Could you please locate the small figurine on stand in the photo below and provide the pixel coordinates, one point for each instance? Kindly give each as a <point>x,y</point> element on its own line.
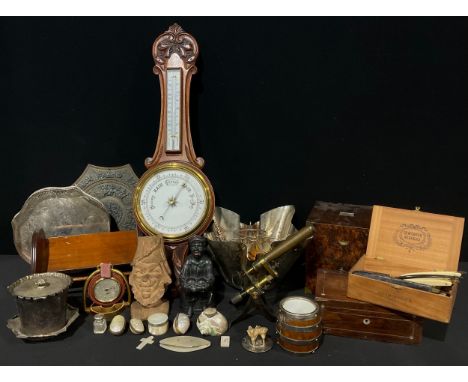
<point>257,340</point>
<point>197,278</point>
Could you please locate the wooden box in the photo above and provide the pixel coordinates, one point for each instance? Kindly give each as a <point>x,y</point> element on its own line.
<point>340,238</point>
<point>79,253</point>
<point>404,241</point>
<point>343,316</point>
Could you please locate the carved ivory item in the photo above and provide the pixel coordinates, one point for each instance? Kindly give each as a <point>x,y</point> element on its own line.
<point>257,340</point>
<point>149,278</point>
<point>145,341</point>
<point>254,333</point>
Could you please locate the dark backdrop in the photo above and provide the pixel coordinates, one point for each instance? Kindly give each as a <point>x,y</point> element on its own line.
<point>284,110</point>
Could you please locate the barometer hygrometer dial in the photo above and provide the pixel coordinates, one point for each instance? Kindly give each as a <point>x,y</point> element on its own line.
<point>105,288</point>
<point>174,200</point>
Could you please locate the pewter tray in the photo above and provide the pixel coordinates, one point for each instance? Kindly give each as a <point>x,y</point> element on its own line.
<point>59,211</point>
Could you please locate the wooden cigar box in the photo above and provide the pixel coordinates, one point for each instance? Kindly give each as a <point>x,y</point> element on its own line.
<point>406,241</point>
<point>346,317</point>
<point>340,238</point>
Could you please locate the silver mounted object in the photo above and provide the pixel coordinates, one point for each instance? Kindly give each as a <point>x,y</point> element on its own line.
<point>41,299</point>
<point>229,246</point>
<point>257,340</point>
<point>114,187</point>
<point>59,211</point>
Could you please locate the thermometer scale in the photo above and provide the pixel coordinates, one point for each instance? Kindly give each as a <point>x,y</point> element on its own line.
<point>173,90</point>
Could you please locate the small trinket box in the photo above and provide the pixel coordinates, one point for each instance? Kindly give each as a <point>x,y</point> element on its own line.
<point>137,326</point>
<point>117,325</point>
<point>158,323</point>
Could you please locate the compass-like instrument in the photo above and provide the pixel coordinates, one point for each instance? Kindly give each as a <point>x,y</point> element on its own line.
<point>174,198</point>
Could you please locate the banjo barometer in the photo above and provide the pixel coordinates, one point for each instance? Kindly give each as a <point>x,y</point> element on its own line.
<point>174,198</point>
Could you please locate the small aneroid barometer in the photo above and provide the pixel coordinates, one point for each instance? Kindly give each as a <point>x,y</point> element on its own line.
<point>174,198</point>
<point>107,290</point>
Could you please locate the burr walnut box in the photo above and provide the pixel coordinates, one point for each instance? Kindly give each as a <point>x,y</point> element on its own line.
<point>405,241</point>
<point>340,238</point>
<point>346,317</point>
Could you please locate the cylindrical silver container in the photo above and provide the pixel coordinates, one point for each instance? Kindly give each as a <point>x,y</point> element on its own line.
<point>41,299</point>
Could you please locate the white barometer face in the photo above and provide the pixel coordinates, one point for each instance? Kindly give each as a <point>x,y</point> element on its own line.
<point>172,200</point>
<point>106,290</point>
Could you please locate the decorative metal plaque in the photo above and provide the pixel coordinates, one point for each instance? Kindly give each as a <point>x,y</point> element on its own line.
<point>114,187</point>
<point>59,211</point>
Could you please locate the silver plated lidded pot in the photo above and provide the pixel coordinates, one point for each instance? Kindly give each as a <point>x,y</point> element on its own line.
<point>41,300</point>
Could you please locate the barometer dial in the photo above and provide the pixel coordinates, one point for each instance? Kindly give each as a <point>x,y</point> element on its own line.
<point>174,200</point>
<point>107,290</point>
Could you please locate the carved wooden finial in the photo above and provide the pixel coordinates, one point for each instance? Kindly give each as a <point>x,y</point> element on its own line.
<point>175,41</point>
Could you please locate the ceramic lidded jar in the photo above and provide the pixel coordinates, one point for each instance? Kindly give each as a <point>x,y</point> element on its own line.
<point>212,323</point>
<point>41,299</point>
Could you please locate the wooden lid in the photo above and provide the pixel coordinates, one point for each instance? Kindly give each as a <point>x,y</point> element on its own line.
<point>350,215</point>
<point>403,241</point>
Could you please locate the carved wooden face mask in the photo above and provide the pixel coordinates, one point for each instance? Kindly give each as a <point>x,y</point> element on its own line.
<point>151,273</point>
<point>149,282</point>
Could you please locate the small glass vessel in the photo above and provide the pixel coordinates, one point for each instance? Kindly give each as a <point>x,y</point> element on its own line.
<point>99,324</point>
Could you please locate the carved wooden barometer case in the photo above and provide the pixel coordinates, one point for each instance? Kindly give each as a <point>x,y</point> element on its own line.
<point>174,197</point>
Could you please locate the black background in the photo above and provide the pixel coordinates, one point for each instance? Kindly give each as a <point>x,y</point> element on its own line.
<point>284,110</point>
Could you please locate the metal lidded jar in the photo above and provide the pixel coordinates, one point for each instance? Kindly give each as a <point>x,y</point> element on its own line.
<point>41,299</point>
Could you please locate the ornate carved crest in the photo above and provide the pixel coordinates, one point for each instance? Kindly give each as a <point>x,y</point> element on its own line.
<point>175,40</point>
